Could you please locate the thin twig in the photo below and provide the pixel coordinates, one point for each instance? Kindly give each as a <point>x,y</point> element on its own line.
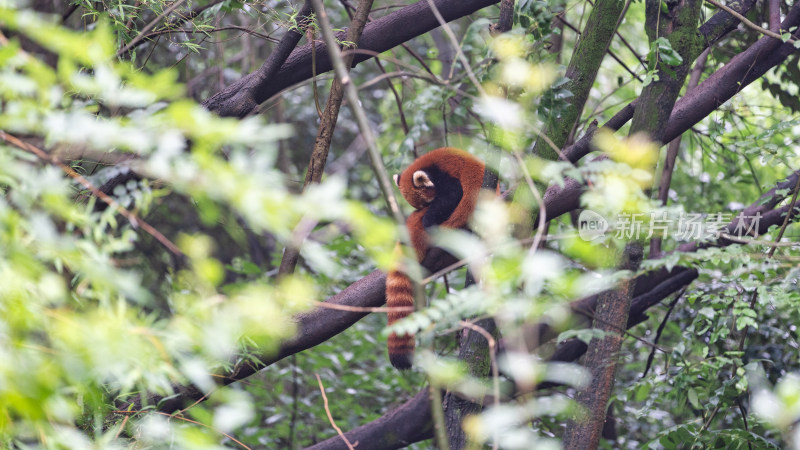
<point>621,330</point>
<point>121,427</point>
<point>750,24</point>
<point>134,220</point>
<point>149,27</point>
<point>773,245</point>
<point>660,330</point>
<point>395,61</point>
<point>69,12</point>
<point>463,262</point>
<point>185,419</point>
<point>363,124</point>
<point>397,99</point>
<point>214,30</point>
<point>771,252</point>
<point>400,74</point>
<point>365,309</point>
<point>330,417</point>
<point>459,53</point>
<point>314,89</point>
<point>539,201</point>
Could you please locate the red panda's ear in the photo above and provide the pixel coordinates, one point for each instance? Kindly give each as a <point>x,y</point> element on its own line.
<point>422,180</point>
<point>396,178</point>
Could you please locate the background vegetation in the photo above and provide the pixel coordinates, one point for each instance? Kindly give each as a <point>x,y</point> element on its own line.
<point>152,173</point>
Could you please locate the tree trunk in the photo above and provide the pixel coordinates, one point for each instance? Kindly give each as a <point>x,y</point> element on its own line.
<point>582,71</point>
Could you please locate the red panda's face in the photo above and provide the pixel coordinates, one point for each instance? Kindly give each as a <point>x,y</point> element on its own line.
<point>417,188</point>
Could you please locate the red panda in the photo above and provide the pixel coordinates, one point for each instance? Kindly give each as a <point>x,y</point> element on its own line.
<point>443,187</point>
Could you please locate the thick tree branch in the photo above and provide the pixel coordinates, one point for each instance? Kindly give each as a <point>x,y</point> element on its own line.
<point>409,423</point>
<point>673,148</point>
<point>389,31</point>
<point>602,355</point>
<point>313,328</point>
<point>240,101</point>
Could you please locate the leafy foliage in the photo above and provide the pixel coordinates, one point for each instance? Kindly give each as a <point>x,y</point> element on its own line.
<point>172,278</point>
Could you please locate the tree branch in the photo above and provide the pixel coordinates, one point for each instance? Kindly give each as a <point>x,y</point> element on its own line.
<point>602,354</point>
<point>409,423</point>
<point>239,99</point>
<point>389,31</point>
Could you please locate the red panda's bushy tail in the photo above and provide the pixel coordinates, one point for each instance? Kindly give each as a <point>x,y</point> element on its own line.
<point>399,293</point>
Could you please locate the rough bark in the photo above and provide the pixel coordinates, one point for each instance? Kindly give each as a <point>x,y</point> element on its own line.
<point>505,21</point>
<point>601,357</point>
<point>658,98</point>
<point>582,71</point>
<point>474,352</point>
<point>672,150</point>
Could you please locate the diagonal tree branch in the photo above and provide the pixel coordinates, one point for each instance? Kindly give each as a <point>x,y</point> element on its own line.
<point>240,101</point>
<point>389,31</point>
<point>581,72</point>
<point>409,423</point>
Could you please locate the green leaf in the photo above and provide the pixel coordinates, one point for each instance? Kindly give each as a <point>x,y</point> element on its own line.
<point>692,396</point>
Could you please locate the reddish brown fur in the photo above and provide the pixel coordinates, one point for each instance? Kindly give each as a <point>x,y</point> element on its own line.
<point>399,289</point>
